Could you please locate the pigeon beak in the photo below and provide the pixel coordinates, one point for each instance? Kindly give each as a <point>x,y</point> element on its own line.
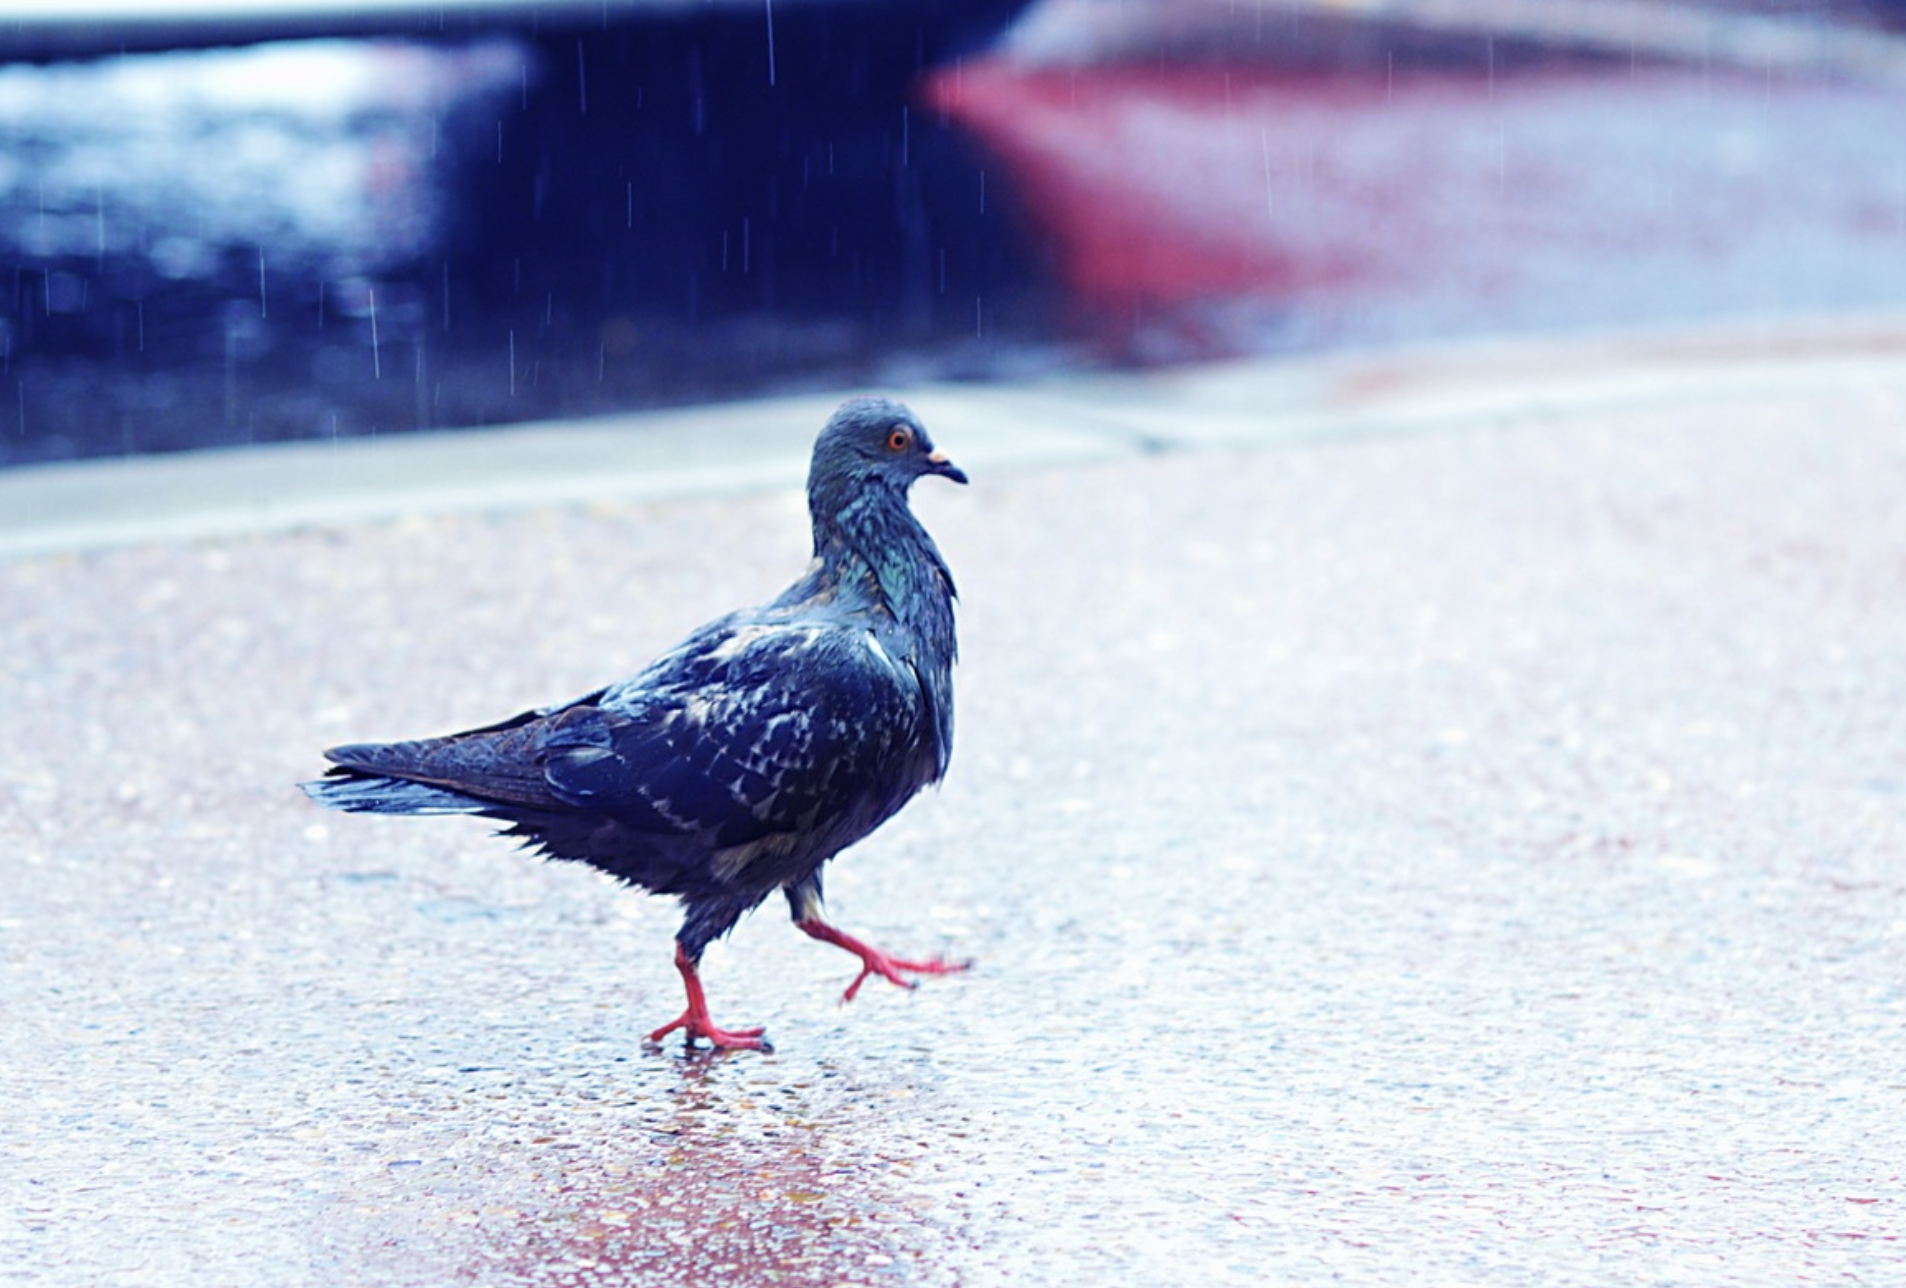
<point>938,464</point>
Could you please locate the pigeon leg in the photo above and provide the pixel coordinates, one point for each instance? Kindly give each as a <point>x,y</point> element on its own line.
<point>872,960</point>
<point>695,1019</point>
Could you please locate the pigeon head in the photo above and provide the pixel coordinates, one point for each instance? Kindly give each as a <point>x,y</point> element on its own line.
<point>872,443</point>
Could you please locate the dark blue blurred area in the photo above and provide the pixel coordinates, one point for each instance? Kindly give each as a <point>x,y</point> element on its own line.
<point>494,216</point>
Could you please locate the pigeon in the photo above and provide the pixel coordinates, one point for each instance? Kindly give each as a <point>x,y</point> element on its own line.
<point>742,760</point>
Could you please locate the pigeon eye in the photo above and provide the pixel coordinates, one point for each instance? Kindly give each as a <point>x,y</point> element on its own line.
<point>900,439</point>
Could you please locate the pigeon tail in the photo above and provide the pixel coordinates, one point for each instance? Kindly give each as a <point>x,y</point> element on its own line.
<point>357,793</point>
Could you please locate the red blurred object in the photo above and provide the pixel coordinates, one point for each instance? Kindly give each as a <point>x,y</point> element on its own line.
<point>1202,209</point>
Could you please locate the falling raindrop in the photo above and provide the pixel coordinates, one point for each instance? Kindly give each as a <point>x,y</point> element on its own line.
<point>264,310</point>
<point>231,373</point>
<point>377,361</point>
<point>420,386</point>
<point>769,4</point>
<point>1270,202</point>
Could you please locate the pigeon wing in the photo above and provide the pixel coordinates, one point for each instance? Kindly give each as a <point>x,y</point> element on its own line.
<point>752,737</point>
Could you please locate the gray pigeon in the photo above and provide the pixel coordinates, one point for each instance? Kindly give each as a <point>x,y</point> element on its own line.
<point>742,760</point>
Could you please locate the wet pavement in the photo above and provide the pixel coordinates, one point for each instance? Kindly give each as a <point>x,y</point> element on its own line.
<point>1450,833</point>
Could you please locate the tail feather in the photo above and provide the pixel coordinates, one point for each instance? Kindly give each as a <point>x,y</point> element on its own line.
<point>359,793</point>
<point>501,765</point>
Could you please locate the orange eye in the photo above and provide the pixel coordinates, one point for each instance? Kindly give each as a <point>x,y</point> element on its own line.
<point>900,439</point>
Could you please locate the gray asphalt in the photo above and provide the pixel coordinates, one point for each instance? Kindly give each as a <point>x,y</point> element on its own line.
<point>1433,818</point>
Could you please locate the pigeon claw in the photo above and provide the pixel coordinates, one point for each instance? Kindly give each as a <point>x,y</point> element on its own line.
<point>875,962</point>
<point>695,1020</point>
<point>699,1026</point>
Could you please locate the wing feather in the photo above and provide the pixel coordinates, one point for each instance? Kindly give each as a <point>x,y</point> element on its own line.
<point>750,733</point>
<point>753,738</point>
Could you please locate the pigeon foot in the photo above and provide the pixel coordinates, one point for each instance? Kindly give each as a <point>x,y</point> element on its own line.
<point>699,1026</point>
<point>696,1022</point>
<point>875,962</point>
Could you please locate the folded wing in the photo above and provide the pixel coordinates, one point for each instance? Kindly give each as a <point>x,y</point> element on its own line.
<point>752,748</point>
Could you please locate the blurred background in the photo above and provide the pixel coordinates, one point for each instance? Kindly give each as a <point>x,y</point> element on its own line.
<point>226,222</point>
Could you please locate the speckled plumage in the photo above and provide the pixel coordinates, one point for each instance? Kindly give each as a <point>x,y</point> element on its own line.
<point>743,759</point>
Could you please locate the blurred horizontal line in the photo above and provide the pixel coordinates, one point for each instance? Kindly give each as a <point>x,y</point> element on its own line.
<point>264,14</point>
<point>87,28</point>
<point>1087,31</point>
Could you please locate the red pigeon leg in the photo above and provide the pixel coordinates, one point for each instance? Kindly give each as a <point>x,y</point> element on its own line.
<point>872,960</point>
<point>695,1019</point>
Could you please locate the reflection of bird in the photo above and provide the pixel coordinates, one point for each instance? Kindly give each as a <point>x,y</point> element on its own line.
<point>762,745</point>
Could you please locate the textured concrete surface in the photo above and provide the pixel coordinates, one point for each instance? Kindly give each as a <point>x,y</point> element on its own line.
<point>1454,857</point>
